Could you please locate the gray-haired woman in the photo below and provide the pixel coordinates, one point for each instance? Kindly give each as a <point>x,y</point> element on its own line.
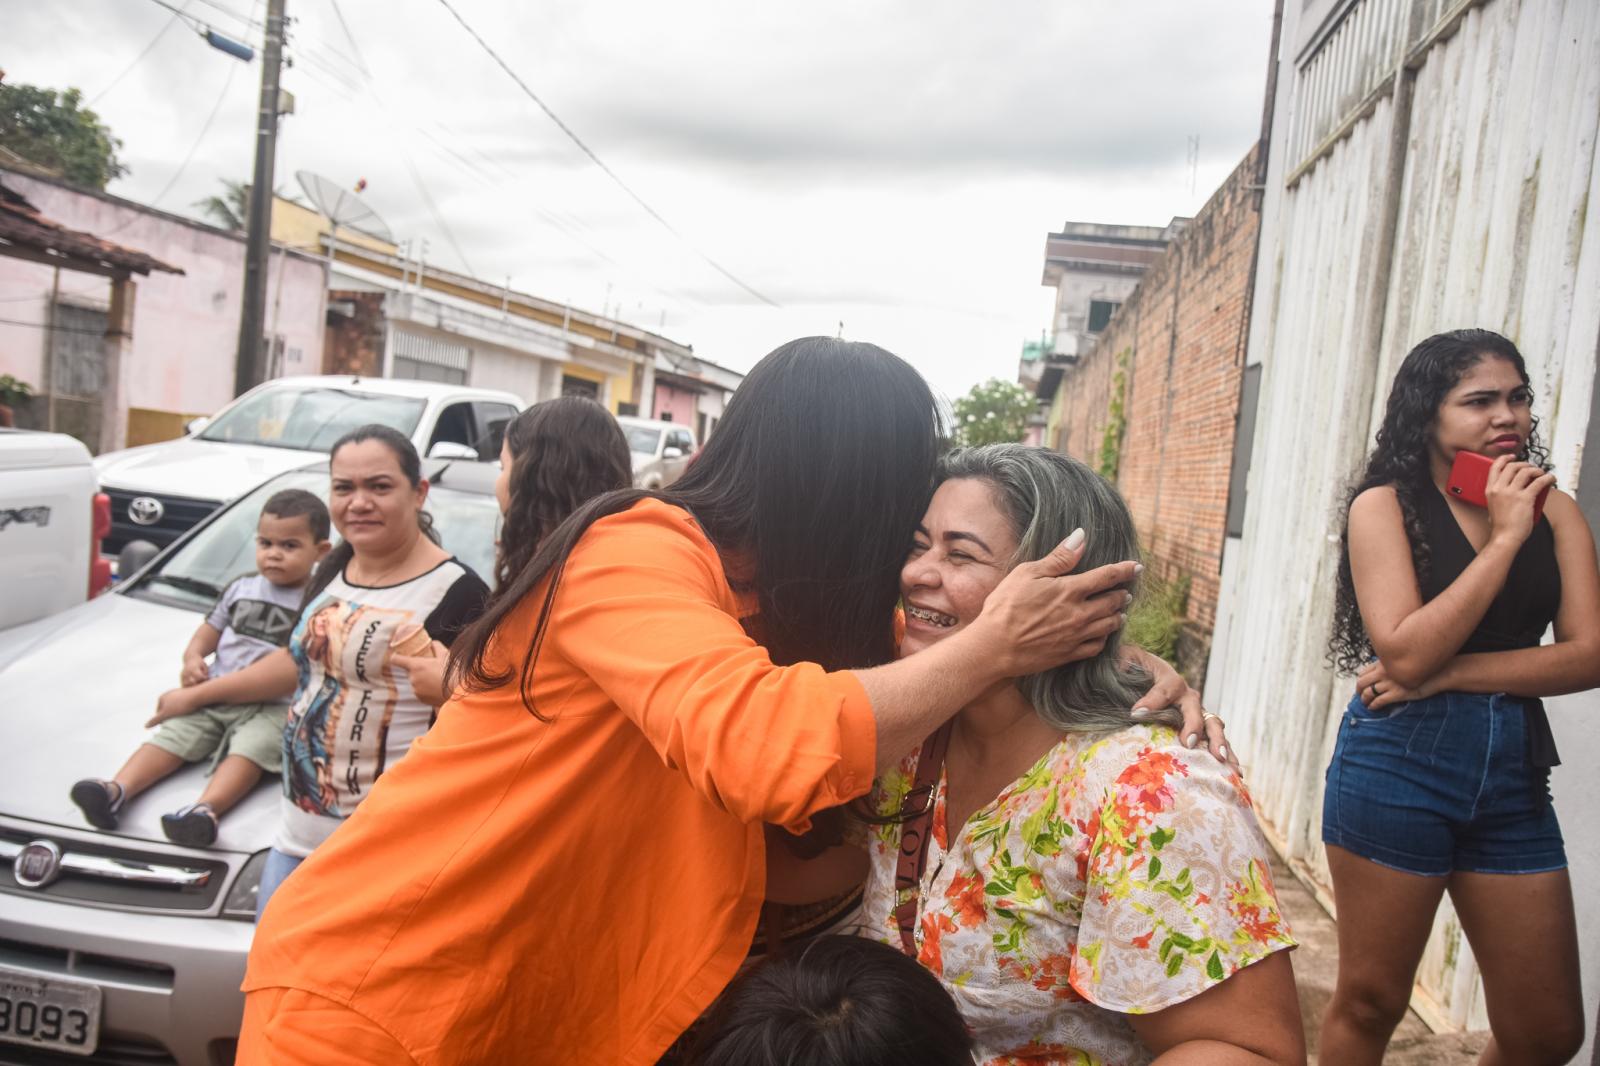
<point>1087,887</point>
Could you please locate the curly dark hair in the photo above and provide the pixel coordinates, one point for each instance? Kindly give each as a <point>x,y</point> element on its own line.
<point>1400,459</point>
<point>564,452</point>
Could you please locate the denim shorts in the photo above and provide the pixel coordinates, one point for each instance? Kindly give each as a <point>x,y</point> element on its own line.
<point>1441,784</point>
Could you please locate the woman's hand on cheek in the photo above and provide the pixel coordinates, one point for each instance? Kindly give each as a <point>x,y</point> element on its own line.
<point>1039,617</point>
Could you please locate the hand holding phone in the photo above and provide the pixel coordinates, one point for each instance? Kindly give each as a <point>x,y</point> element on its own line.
<point>1469,482</point>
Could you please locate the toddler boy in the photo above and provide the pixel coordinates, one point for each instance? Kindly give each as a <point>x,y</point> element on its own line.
<point>254,616</point>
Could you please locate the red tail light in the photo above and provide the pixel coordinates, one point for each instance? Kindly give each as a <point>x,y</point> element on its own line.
<point>99,569</point>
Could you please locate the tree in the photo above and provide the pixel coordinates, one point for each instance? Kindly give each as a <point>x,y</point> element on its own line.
<point>231,210</point>
<point>995,412</point>
<point>54,131</point>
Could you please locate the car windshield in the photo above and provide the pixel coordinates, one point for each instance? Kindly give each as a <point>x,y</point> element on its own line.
<point>196,574</point>
<point>642,439</point>
<point>310,418</point>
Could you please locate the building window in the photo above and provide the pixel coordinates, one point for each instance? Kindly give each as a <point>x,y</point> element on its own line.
<point>1100,312</point>
<point>628,410</point>
<point>571,386</point>
<point>1244,433</point>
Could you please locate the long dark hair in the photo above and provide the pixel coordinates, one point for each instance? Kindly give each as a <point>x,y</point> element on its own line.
<point>843,1001</point>
<point>405,454</point>
<point>811,486</point>
<point>1401,459</point>
<point>564,452</point>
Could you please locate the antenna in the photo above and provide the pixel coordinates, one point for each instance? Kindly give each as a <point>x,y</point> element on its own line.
<point>342,207</point>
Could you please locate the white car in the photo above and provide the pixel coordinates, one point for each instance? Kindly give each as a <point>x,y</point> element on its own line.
<point>661,450</point>
<point>160,491</point>
<point>51,522</point>
<point>123,947</point>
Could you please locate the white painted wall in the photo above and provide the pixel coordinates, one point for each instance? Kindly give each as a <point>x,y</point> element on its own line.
<point>1497,226</point>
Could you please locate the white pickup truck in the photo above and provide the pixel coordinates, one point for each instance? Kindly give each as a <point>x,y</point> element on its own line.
<point>51,522</point>
<point>159,492</point>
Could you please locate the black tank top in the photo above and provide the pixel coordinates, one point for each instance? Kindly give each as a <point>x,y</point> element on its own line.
<point>1528,601</point>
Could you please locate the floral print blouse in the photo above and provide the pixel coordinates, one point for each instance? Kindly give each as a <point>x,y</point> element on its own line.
<point>1120,875</point>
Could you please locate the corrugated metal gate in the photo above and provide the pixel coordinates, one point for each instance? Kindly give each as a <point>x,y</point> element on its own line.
<point>1436,168</point>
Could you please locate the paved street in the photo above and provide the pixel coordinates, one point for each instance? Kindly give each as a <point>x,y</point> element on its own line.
<point>1316,965</point>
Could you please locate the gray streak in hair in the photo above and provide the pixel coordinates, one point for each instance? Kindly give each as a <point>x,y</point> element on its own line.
<point>1046,495</point>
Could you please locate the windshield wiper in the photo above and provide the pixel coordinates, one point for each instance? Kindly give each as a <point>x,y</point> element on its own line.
<point>188,584</point>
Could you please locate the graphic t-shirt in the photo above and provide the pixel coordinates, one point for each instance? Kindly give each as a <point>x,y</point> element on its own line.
<point>354,713</point>
<point>254,617</point>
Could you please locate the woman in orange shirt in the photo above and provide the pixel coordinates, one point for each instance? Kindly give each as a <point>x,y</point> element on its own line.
<point>569,867</point>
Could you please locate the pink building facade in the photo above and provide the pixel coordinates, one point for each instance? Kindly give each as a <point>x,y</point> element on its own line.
<point>180,359</point>
<point>674,403</point>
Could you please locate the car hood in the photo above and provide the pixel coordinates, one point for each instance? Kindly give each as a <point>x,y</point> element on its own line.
<point>79,687</point>
<point>198,469</point>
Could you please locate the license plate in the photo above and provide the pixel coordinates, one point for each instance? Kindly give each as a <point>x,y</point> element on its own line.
<point>45,1012</point>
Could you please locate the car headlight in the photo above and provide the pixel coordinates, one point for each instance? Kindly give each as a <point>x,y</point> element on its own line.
<point>241,902</point>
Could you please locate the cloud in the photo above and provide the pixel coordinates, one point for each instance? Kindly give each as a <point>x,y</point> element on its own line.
<point>894,165</point>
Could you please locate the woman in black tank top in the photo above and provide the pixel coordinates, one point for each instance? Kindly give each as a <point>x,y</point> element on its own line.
<point>1439,776</point>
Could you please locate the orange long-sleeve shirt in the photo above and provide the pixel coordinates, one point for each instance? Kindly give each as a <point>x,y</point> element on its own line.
<point>577,889</point>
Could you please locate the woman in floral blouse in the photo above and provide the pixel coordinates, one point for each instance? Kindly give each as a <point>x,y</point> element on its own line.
<point>1093,893</point>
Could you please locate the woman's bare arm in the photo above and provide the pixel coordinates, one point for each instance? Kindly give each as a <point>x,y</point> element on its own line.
<point>1571,664</point>
<point>1415,639</point>
<point>1251,1019</point>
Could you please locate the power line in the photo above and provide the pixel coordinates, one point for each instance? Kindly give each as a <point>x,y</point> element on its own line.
<point>222,96</point>
<point>416,176</point>
<point>248,20</point>
<point>165,26</point>
<point>575,139</point>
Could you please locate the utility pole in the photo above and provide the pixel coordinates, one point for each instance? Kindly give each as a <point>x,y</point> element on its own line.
<point>248,368</point>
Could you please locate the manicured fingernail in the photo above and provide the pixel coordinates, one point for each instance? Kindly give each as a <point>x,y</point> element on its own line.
<point>1075,539</point>
<point>1129,599</point>
<point>1222,753</point>
<point>1122,620</point>
<point>1191,740</point>
<point>1138,568</point>
<point>1140,713</point>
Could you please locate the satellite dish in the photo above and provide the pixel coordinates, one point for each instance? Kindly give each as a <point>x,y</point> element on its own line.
<point>342,207</point>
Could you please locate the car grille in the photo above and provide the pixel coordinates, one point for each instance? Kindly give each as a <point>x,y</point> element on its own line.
<point>110,876</point>
<point>179,514</point>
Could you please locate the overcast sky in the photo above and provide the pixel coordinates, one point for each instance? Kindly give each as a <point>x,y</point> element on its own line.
<point>890,165</point>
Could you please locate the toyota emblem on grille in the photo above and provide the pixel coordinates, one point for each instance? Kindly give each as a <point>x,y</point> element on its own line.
<point>37,864</point>
<point>146,510</point>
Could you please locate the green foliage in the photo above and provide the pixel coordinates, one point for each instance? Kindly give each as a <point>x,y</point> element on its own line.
<point>1157,615</point>
<point>54,131</point>
<point>995,412</point>
<point>13,391</point>
<point>231,209</point>
<point>1116,420</point>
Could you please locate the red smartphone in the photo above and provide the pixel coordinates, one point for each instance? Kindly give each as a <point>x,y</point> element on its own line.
<point>1469,481</point>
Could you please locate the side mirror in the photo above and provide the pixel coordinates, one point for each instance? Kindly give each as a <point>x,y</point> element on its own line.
<point>672,451</point>
<point>195,425</point>
<point>135,556</point>
<point>449,449</point>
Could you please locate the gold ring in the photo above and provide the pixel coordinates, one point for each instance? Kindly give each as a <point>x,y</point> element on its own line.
<point>1206,716</point>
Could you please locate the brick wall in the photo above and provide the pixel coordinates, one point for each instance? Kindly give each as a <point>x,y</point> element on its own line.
<point>1179,340</point>
<point>354,342</point>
